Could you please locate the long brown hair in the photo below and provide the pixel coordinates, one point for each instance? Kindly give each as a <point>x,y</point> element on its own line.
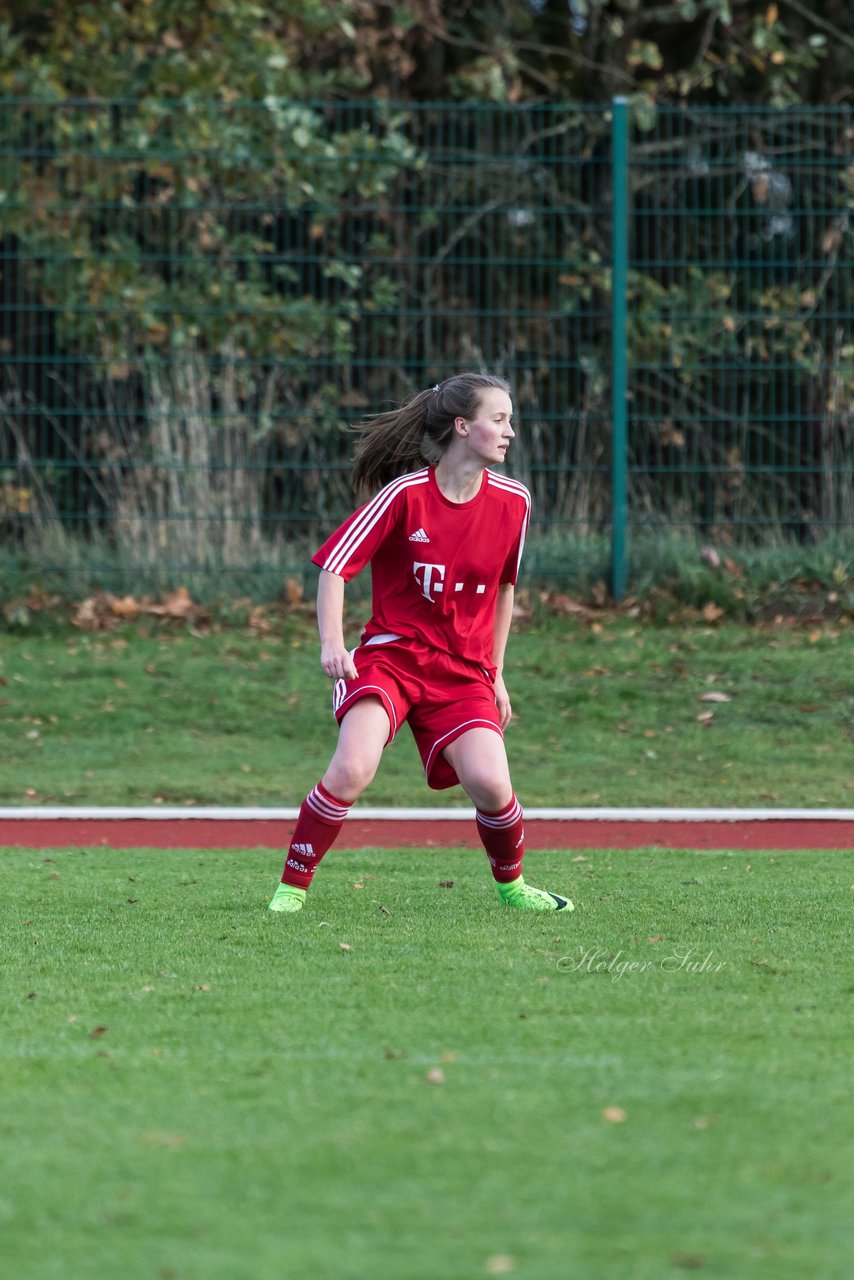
<point>419,432</point>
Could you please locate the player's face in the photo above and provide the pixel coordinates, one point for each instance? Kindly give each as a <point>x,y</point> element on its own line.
<point>489,432</point>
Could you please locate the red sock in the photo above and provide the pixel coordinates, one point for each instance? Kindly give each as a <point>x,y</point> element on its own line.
<point>503,836</point>
<point>319,822</point>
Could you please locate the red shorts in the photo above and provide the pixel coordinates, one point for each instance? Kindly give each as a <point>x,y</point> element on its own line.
<point>440,696</point>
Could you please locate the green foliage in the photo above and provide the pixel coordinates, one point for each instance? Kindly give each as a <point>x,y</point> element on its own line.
<point>161,49</point>
<point>153,226</point>
<point>510,50</point>
<point>217,263</point>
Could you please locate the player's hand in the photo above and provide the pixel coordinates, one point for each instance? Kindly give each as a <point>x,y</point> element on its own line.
<point>502,701</point>
<point>337,663</point>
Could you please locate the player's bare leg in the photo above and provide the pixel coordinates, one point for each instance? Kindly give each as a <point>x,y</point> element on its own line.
<point>361,739</point>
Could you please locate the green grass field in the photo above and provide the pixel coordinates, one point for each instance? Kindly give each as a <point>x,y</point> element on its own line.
<point>410,1081</point>
<point>606,713</point>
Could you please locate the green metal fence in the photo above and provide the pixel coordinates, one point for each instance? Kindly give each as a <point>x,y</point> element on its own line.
<point>742,346</point>
<point>196,298</point>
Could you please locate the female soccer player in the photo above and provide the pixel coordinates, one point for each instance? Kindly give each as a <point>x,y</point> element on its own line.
<point>444,541</point>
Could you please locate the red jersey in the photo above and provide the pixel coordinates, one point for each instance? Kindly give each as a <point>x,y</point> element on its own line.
<point>436,565</point>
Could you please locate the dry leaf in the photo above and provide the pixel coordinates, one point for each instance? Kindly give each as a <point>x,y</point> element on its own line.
<point>715,697</point>
<point>178,604</point>
<point>831,240</point>
<point>168,1140</point>
<point>614,1115</point>
<point>127,607</point>
<point>689,1261</point>
<point>500,1264</point>
<point>435,1076</point>
<point>345,946</point>
<point>705,717</point>
<point>712,612</point>
<point>258,620</point>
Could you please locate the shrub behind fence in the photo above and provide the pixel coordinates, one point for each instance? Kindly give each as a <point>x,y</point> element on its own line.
<point>198,297</point>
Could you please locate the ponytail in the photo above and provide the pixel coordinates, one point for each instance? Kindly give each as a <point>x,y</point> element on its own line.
<point>419,432</point>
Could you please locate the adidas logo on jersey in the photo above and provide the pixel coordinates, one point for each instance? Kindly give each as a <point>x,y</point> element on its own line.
<point>418,536</point>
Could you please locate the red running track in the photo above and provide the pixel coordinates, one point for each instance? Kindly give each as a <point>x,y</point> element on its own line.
<point>201,833</point>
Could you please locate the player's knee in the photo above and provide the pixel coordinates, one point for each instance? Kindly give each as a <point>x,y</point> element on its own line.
<point>488,790</point>
<point>347,778</point>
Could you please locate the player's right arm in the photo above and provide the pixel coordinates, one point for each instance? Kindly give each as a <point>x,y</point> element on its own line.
<point>334,656</point>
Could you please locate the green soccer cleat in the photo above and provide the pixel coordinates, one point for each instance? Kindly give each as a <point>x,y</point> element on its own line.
<point>526,898</point>
<point>287,898</point>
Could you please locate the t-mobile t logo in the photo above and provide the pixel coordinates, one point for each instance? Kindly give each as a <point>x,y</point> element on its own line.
<point>429,577</point>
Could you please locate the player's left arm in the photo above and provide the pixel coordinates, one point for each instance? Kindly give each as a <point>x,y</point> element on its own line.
<point>503,619</point>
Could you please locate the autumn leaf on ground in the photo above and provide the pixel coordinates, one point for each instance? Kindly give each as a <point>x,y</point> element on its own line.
<point>126,607</point>
<point>177,604</point>
<point>715,697</point>
<point>166,1140</point>
<point>500,1264</point>
<point>614,1115</point>
<point>689,1261</point>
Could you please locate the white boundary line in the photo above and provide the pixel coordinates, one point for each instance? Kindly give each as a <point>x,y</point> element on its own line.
<point>162,813</point>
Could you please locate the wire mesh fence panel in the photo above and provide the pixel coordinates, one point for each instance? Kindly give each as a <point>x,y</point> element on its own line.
<point>197,298</point>
<point>742,349</point>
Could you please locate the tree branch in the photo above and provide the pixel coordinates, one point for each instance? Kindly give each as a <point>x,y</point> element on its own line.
<point>806,12</point>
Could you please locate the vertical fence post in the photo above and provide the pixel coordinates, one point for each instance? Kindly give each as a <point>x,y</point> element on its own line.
<point>619,343</point>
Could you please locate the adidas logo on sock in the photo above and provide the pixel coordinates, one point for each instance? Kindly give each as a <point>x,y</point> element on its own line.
<point>418,536</point>
<point>305,850</point>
